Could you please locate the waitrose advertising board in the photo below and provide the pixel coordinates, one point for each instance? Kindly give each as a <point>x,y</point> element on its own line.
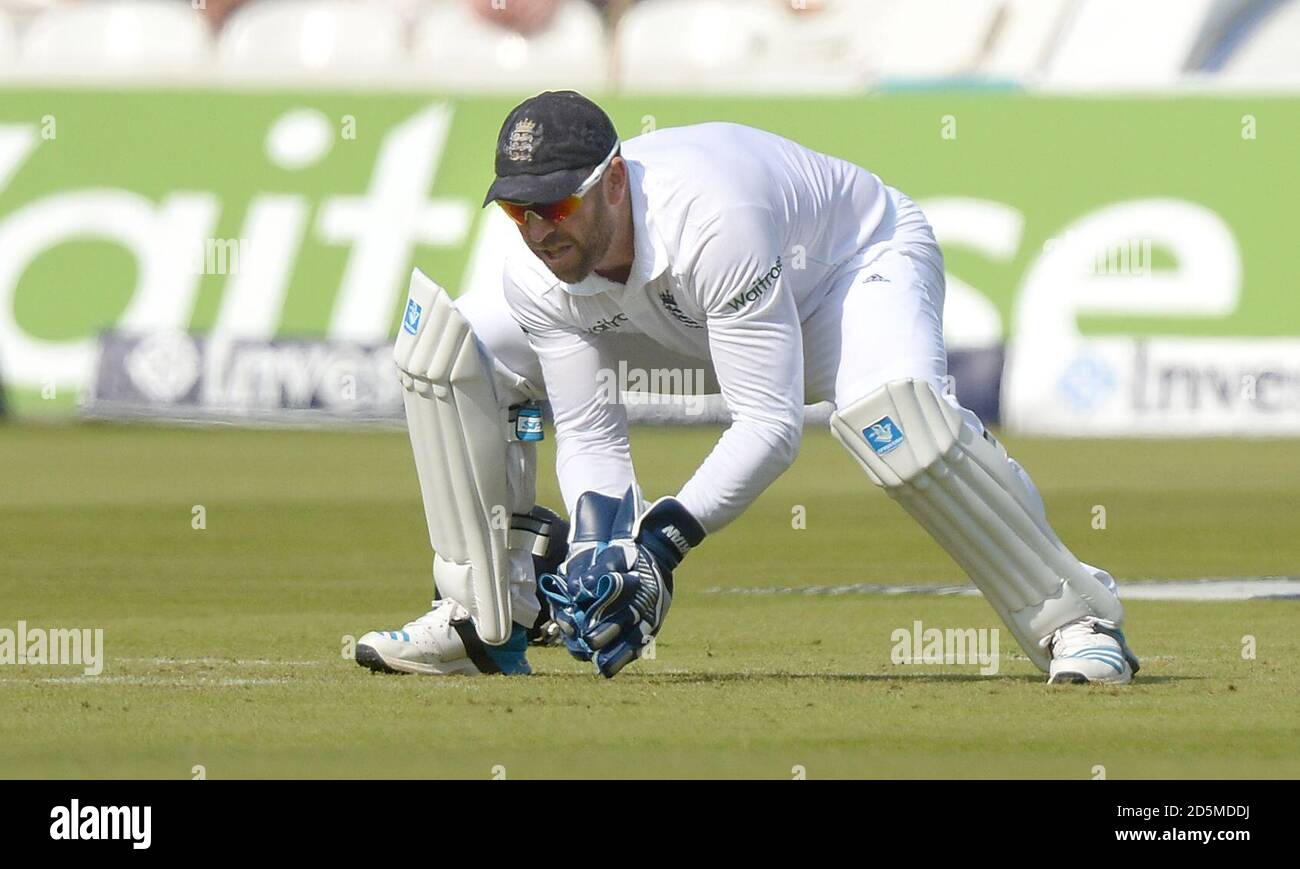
<point>1136,257</point>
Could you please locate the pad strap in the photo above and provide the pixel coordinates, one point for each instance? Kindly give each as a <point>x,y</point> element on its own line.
<point>475,650</point>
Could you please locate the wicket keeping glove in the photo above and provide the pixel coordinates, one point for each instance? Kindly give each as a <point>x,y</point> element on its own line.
<point>592,521</point>
<point>612,596</point>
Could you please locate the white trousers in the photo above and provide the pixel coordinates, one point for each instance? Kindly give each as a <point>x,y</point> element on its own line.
<point>882,318</point>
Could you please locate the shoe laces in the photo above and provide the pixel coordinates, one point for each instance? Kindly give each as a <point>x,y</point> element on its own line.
<point>428,618</point>
<point>1068,639</point>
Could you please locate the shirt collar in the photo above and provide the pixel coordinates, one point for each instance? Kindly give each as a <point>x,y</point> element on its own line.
<point>649,259</point>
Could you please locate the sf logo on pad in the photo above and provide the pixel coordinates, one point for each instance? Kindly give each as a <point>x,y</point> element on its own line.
<point>883,435</point>
<point>411,321</point>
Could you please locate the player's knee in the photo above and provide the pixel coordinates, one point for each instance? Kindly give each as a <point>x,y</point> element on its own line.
<point>894,416</point>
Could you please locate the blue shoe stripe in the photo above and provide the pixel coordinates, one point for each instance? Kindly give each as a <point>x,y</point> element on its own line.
<point>1112,656</point>
<point>1106,650</point>
<point>1111,660</point>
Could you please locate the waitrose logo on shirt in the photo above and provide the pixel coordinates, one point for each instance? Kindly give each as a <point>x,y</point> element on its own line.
<point>756,289</point>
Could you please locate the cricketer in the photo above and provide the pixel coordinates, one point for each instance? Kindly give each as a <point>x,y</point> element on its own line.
<point>790,276</point>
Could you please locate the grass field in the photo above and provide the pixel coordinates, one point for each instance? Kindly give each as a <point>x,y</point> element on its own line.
<point>225,646</point>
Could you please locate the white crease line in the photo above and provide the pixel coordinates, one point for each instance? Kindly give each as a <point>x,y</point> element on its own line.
<point>1243,588</point>
<point>253,662</point>
<point>1206,589</point>
<point>152,681</point>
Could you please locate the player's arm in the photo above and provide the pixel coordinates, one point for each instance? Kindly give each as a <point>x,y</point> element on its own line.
<point>592,451</point>
<point>610,595</point>
<point>740,279</point>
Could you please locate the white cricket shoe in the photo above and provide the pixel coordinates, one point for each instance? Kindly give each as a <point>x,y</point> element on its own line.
<point>1090,650</point>
<point>442,642</point>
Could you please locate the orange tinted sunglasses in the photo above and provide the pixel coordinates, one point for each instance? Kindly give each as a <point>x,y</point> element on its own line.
<point>557,212</point>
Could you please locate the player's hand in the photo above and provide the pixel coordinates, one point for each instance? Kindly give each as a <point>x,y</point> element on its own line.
<point>593,520</point>
<point>611,598</point>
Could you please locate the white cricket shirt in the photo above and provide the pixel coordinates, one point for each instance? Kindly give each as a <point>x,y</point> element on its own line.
<point>737,236</point>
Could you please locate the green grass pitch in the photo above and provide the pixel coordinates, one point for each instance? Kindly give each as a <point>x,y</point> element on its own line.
<point>225,647</point>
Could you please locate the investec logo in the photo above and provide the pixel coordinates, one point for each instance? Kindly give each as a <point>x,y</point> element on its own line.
<point>181,238</point>
<point>756,289</point>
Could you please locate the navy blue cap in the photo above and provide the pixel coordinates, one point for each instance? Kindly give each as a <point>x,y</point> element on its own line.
<point>548,146</point>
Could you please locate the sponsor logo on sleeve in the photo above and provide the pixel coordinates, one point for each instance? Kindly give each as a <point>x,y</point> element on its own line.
<point>607,323</point>
<point>756,290</point>
<point>675,311</point>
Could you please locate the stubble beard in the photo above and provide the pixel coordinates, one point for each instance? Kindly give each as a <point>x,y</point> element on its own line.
<point>589,252</point>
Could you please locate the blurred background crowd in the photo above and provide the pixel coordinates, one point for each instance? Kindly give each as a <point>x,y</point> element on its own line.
<point>765,46</point>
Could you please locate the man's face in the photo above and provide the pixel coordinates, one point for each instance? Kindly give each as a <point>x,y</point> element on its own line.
<point>573,247</point>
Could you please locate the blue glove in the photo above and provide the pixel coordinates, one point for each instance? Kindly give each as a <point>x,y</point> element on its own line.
<point>612,596</point>
<point>593,520</point>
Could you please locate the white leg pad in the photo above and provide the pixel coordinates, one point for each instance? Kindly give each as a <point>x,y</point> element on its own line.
<point>959,484</point>
<point>467,468</point>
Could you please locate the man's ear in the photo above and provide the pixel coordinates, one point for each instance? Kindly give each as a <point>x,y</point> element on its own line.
<point>615,182</point>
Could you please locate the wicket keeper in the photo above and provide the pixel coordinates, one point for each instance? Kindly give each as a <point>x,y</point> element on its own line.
<point>791,276</point>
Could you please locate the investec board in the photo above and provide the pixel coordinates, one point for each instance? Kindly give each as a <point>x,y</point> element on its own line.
<point>1133,255</point>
